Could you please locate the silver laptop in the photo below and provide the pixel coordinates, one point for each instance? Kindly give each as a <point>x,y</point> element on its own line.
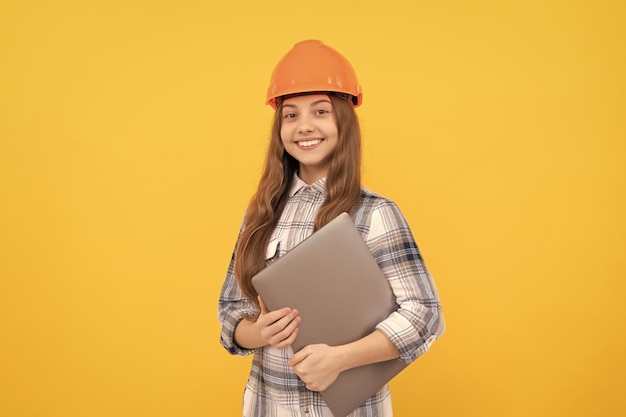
<point>341,295</point>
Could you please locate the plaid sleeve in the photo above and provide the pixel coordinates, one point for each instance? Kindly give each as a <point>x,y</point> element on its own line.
<point>233,306</point>
<point>419,320</point>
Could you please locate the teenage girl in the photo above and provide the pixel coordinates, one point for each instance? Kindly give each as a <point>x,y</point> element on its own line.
<point>311,175</point>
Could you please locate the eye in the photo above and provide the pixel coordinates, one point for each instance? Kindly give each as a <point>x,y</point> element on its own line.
<point>289,115</point>
<point>321,112</point>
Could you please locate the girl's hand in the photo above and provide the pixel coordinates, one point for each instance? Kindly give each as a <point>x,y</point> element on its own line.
<point>277,328</point>
<point>318,366</point>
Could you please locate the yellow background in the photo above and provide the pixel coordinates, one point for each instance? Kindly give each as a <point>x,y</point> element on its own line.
<point>131,138</point>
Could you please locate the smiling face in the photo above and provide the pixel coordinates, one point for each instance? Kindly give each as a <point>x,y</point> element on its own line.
<point>309,133</point>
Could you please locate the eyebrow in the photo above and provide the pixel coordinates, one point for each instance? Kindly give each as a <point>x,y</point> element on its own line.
<point>312,104</point>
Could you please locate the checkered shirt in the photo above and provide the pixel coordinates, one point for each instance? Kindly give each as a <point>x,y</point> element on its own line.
<point>273,388</point>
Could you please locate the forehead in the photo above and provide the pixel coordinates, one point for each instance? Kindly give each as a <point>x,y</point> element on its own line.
<point>305,100</point>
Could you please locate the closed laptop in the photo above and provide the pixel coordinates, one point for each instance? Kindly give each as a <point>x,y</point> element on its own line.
<point>341,294</point>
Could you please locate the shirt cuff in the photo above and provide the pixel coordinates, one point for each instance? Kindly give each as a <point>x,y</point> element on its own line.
<point>401,332</point>
<point>227,336</point>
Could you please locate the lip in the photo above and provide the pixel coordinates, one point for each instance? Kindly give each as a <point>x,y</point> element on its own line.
<point>308,143</point>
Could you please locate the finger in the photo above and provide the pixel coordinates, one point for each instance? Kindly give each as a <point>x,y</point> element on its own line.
<point>288,341</point>
<point>283,332</point>
<point>262,305</point>
<point>278,319</point>
<point>312,387</point>
<point>299,356</point>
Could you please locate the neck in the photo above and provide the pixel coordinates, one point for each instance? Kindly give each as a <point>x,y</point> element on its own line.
<point>310,176</point>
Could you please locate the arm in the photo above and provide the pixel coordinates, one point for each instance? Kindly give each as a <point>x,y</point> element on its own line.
<point>319,365</point>
<point>407,332</point>
<point>240,334</point>
<point>375,347</point>
<point>233,308</point>
<point>418,321</point>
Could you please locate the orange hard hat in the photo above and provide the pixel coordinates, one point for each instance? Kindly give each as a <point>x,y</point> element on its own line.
<point>312,66</point>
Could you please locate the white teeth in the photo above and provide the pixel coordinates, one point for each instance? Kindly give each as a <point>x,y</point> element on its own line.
<point>307,143</point>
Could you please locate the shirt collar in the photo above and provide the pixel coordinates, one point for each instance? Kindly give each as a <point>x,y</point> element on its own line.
<point>298,184</point>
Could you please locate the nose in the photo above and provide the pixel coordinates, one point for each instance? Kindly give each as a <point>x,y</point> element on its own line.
<point>305,124</point>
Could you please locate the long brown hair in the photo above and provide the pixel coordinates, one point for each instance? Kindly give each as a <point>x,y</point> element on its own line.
<point>343,184</point>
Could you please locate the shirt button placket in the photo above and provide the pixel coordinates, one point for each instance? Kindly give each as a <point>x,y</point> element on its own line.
<point>298,217</point>
<point>306,402</point>
<point>302,203</point>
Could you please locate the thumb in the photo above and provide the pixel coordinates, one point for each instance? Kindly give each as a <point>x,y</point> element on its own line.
<point>262,305</point>
<point>299,357</point>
